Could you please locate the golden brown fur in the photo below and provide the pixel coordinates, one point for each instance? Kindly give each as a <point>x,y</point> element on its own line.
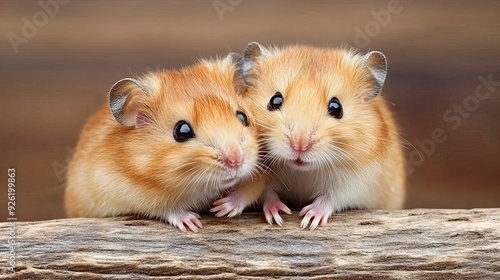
<point>355,161</point>
<point>119,170</point>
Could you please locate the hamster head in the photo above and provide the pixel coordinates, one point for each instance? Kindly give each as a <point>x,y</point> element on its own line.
<point>187,129</point>
<point>317,108</point>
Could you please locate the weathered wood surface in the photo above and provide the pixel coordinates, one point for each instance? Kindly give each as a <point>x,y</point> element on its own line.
<point>408,244</point>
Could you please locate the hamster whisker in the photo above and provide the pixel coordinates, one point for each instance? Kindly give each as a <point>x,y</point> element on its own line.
<point>275,157</point>
<point>345,174</point>
<point>256,102</point>
<point>261,167</point>
<point>180,167</point>
<point>408,143</point>
<point>336,152</point>
<point>277,163</point>
<point>274,173</point>
<point>343,156</point>
<point>327,158</point>
<point>269,127</point>
<point>399,136</point>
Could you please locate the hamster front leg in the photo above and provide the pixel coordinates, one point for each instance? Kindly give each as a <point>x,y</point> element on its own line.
<point>319,211</point>
<point>243,196</point>
<point>184,220</point>
<point>272,207</point>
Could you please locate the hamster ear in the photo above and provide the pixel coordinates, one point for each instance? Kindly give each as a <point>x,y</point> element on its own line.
<point>233,58</point>
<point>126,99</point>
<point>238,81</point>
<point>253,52</point>
<point>377,64</point>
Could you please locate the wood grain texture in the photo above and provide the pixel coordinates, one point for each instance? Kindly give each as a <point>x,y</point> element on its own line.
<point>407,244</point>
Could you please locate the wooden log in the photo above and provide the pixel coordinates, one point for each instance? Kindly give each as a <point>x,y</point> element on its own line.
<point>407,244</point>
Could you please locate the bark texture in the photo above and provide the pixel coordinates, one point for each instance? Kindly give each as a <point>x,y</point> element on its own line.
<point>407,244</point>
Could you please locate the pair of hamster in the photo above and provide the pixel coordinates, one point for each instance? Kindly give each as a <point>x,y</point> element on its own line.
<point>170,143</point>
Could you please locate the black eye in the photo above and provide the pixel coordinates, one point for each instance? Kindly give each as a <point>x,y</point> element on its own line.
<point>275,102</point>
<point>183,131</point>
<point>335,108</point>
<point>242,117</point>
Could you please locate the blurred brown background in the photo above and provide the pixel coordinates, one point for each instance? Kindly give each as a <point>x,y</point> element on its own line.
<point>73,52</point>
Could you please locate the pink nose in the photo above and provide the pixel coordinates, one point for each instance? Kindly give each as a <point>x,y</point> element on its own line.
<point>300,144</point>
<point>233,159</point>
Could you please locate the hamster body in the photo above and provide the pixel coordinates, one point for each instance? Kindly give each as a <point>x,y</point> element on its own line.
<point>165,146</point>
<point>331,140</point>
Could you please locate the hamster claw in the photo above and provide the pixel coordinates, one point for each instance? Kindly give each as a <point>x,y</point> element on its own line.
<point>231,205</point>
<point>317,213</point>
<point>272,211</point>
<point>184,220</point>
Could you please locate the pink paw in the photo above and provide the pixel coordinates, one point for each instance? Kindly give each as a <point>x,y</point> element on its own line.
<point>232,205</point>
<point>271,211</point>
<point>184,220</point>
<point>319,212</point>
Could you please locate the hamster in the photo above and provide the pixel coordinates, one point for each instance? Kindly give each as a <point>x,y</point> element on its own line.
<point>167,145</point>
<point>331,140</point>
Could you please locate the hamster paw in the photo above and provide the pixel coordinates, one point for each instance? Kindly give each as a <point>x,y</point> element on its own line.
<point>184,220</point>
<point>318,210</point>
<point>272,211</point>
<point>232,205</point>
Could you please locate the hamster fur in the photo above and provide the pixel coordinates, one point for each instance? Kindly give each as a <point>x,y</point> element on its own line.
<point>128,161</point>
<point>331,139</point>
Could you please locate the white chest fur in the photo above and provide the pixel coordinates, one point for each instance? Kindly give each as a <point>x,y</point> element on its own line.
<point>346,188</point>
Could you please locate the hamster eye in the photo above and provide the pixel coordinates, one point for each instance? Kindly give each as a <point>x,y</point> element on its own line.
<point>335,108</point>
<point>183,131</point>
<point>275,102</point>
<point>242,117</point>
